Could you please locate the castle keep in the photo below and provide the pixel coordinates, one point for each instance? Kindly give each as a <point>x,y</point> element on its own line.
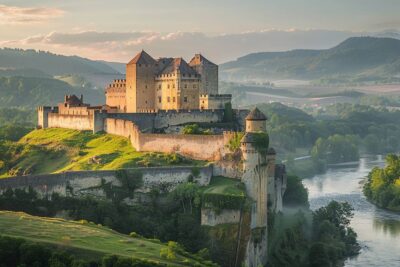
<point>166,84</point>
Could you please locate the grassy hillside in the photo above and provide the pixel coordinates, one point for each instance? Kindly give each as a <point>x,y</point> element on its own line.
<point>56,150</point>
<point>91,238</point>
<point>28,92</point>
<point>356,59</point>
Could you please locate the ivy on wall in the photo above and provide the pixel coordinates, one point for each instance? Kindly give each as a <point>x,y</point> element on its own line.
<point>219,202</point>
<point>130,181</point>
<point>261,142</point>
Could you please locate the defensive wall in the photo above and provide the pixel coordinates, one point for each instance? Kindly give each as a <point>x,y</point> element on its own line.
<point>90,182</point>
<point>140,128</point>
<point>202,147</point>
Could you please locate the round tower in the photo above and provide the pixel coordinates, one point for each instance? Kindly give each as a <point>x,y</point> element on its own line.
<point>256,121</point>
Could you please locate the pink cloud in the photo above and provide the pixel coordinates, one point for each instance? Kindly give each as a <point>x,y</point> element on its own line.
<point>24,15</point>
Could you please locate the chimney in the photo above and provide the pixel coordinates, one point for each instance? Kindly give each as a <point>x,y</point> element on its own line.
<point>82,98</point>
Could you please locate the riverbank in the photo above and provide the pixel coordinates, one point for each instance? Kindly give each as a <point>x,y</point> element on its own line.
<point>382,187</point>
<point>378,230</point>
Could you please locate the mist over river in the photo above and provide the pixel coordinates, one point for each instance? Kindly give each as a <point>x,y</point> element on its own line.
<point>378,230</point>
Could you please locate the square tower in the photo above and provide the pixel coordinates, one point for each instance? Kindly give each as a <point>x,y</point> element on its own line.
<point>140,83</point>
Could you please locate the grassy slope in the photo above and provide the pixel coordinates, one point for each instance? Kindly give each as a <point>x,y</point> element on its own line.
<point>81,236</point>
<point>225,186</point>
<point>56,150</point>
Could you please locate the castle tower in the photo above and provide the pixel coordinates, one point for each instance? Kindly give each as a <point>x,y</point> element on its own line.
<point>140,83</point>
<point>208,72</point>
<point>254,145</point>
<point>255,168</point>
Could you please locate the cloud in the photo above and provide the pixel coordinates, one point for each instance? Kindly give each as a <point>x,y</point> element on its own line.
<point>26,15</point>
<point>122,46</point>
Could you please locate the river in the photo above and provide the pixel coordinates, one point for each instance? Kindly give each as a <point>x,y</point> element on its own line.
<point>378,230</point>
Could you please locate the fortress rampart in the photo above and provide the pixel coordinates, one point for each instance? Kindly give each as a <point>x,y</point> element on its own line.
<point>202,147</point>
<point>140,128</point>
<point>89,182</point>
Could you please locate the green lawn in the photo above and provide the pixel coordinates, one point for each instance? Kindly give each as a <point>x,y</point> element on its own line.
<point>83,236</point>
<point>57,150</point>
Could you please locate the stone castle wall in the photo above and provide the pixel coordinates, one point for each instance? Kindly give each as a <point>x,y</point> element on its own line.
<point>212,218</point>
<point>202,147</point>
<point>89,182</point>
<point>166,119</point>
<point>77,122</point>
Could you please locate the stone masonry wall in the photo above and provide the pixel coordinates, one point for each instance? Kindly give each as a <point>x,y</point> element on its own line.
<point>89,182</point>
<point>202,147</point>
<point>77,122</point>
<point>211,218</point>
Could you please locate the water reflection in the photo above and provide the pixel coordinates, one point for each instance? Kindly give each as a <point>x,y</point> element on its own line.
<point>378,230</point>
<point>387,226</point>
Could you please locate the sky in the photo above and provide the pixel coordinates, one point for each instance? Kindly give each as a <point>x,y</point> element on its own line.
<point>220,29</point>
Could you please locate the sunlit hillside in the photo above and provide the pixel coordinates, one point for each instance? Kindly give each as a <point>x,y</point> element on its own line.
<point>92,241</point>
<point>56,150</point>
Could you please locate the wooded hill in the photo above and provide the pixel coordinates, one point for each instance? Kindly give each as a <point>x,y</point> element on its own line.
<point>357,58</point>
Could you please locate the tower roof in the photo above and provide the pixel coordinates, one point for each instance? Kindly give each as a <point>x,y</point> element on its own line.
<point>142,58</point>
<point>256,115</point>
<point>73,100</point>
<point>248,138</point>
<point>199,59</point>
<point>178,64</point>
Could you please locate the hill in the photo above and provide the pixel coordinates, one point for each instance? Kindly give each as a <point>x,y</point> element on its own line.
<point>30,92</point>
<point>86,238</point>
<point>51,64</point>
<point>56,150</point>
<point>357,58</point>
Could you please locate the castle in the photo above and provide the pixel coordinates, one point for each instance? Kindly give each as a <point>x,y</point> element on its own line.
<point>166,84</point>
<point>150,106</point>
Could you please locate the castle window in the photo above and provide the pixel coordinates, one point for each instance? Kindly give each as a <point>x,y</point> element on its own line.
<point>173,85</point>
<point>140,65</point>
<point>185,86</point>
<point>168,99</point>
<point>159,86</point>
<point>185,99</point>
<point>183,75</point>
<point>168,86</point>
<point>145,86</point>
<point>173,99</point>
<point>159,99</point>
<point>194,86</point>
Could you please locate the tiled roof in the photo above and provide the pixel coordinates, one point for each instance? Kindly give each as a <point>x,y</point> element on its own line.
<point>200,59</point>
<point>256,115</point>
<point>73,100</point>
<point>178,64</point>
<point>142,58</point>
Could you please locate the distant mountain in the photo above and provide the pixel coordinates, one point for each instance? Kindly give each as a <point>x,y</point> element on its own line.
<point>51,64</point>
<point>363,58</point>
<point>120,67</point>
<point>27,92</point>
